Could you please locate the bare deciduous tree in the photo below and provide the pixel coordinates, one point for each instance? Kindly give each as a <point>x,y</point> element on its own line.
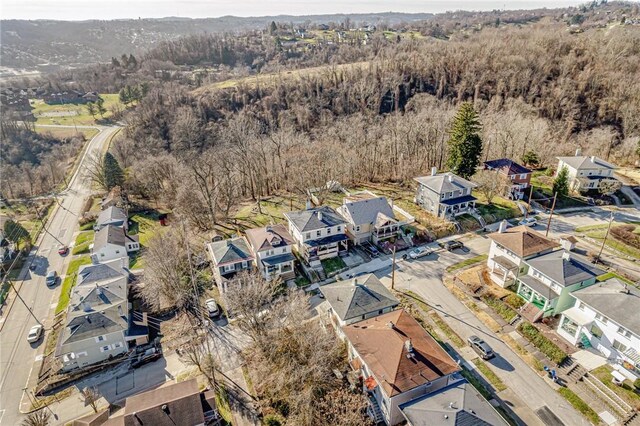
<point>91,396</point>
<point>609,186</point>
<point>341,407</point>
<point>491,183</point>
<point>41,417</point>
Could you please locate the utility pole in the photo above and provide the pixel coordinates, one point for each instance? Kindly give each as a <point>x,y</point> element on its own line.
<point>44,226</point>
<point>553,207</point>
<point>529,201</point>
<point>605,238</point>
<point>393,269</point>
<point>23,302</point>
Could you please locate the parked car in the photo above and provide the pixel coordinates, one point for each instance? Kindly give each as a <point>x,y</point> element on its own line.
<point>148,356</point>
<point>35,333</point>
<point>62,250</point>
<point>51,278</point>
<point>453,244</point>
<point>371,250</point>
<point>481,347</point>
<point>419,252</point>
<point>212,308</point>
<point>530,221</point>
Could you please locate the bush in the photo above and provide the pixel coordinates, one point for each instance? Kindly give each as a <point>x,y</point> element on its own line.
<point>636,384</point>
<point>500,308</point>
<point>625,234</point>
<point>272,420</point>
<point>515,301</point>
<point>546,346</point>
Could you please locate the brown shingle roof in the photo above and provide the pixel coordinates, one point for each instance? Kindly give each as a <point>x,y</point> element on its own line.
<point>269,237</point>
<point>523,241</point>
<point>384,350</point>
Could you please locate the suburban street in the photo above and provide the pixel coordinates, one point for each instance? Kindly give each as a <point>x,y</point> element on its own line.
<point>16,354</point>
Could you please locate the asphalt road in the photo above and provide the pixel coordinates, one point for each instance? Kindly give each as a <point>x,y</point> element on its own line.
<point>16,354</point>
<point>424,277</point>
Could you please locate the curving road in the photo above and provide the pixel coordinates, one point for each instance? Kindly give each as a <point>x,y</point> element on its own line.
<point>16,354</point>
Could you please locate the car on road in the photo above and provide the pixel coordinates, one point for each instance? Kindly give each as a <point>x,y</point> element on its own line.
<point>419,252</point>
<point>51,278</point>
<point>530,221</point>
<point>480,347</point>
<point>35,333</point>
<point>453,244</point>
<point>212,308</point>
<point>62,250</point>
<point>371,250</point>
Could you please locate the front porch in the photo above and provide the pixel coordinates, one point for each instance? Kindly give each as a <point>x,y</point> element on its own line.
<point>537,293</point>
<point>457,206</point>
<point>279,266</point>
<point>325,248</point>
<point>503,271</point>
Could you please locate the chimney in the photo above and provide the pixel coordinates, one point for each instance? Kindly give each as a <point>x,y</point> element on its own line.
<point>269,228</point>
<point>566,255</point>
<point>94,259</point>
<point>578,152</point>
<point>450,177</point>
<point>86,306</point>
<point>503,226</point>
<point>319,215</point>
<point>391,325</point>
<point>308,205</point>
<point>408,346</point>
<point>434,171</point>
<point>355,281</point>
<point>593,158</point>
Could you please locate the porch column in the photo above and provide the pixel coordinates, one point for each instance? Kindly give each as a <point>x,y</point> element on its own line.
<point>504,276</point>
<point>533,293</point>
<point>546,304</point>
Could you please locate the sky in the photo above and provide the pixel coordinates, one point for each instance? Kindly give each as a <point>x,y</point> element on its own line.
<point>74,10</point>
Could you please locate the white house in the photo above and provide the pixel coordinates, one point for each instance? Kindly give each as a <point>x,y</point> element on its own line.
<point>319,233</point>
<point>509,250</point>
<point>114,216</point>
<point>445,194</point>
<point>370,218</point>
<point>229,257</point>
<point>272,247</point>
<point>112,242</point>
<point>398,362</point>
<point>605,316</point>
<point>586,173</point>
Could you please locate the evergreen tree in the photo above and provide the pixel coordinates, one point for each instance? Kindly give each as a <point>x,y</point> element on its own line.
<point>465,144</point>
<point>113,175</point>
<point>273,28</point>
<point>561,182</point>
<point>530,158</point>
<point>122,95</point>
<point>91,108</point>
<point>100,107</point>
<point>16,233</point>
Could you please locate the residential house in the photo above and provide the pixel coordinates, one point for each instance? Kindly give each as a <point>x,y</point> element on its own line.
<point>114,216</point>
<point>550,280</point>
<point>605,317</point>
<point>229,257</point>
<point>179,403</point>
<point>115,198</point>
<point>445,194</point>
<point>458,404</point>
<point>518,176</point>
<point>272,247</point>
<point>319,233</point>
<point>511,248</point>
<point>357,299</point>
<point>371,218</point>
<point>586,173</point>
<point>112,242</point>
<point>398,362</point>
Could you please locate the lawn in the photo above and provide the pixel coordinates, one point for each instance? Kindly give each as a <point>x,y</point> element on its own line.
<point>70,114</point>
<point>145,225</point>
<point>597,232</point>
<point>332,265</point>
<point>626,391</point>
<point>580,405</point>
<point>499,209</point>
<point>467,262</point>
<point>66,132</point>
<point>70,281</point>
<point>83,241</point>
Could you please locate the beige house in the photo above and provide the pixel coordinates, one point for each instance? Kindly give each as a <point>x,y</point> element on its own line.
<point>586,173</point>
<point>272,247</point>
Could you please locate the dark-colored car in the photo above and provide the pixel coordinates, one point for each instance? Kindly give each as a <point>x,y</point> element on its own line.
<point>148,356</point>
<point>371,250</point>
<point>481,347</point>
<point>453,244</point>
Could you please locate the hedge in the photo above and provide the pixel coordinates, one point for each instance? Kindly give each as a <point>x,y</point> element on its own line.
<point>546,346</point>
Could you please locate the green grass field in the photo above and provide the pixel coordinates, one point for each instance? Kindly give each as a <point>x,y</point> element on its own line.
<point>70,281</point>
<point>71,114</point>
<point>145,226</point>
<point>83,241</point>
<point>597,233</point>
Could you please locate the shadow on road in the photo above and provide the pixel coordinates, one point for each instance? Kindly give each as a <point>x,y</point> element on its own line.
<point>501,363</point>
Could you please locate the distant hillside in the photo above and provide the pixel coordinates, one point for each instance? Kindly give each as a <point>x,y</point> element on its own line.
<point>45,46</point>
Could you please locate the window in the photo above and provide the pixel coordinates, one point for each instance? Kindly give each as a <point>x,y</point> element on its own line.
<point>602,318</point>
<point>105,348</point>
<point>581,306</point>
<point>117,345</point>
<point>523,176</point>
<point>619,346</point>
<point>244,264</point>
<point>117,251</point>
<point>328,231</point>
<point>339,228</point>
<point>624,332</point>
<point>358,228</point>
<point>596,331</point>
<point>307,236</point>
<point>318,233</point>
<point>100,339</point>
<point>284,249</point>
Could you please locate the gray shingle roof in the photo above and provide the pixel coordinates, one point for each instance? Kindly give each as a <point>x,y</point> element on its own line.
<point>357,297</point>
<point>313,219</point>
<point>109,235</point>
<point>614,300</point>
<point>111,214</point>
<point>232,250</point>
<point>364,212</point>
<point>458,404</point>
<point>95,295</point>
<point>583,162</point>
<point>101,271</point>
<point>563,268</point>
<point>445,182</point>
<point>85,325</point>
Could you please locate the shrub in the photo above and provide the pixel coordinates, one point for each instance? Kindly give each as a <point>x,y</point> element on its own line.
<point>272,420</point>
<point>625,234</point>
<point>515,301</point>
<point>636,384</point>
<point>546,346</point>
<point>500,308</point>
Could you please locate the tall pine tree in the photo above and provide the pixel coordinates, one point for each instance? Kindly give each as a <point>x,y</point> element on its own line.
<point>113,175</point>
<point>465,144</point>
<point>561,182</point>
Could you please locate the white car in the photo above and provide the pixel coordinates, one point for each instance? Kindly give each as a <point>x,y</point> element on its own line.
<point>530,221</point>
<point>419,252</point>
<point>212,308</point>
<point>35,333</point>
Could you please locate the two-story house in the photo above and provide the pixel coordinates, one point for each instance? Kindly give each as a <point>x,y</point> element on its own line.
<point>319,233</point>
<point>112,242</point>
<point>549,281</point>
<point>445,194</point>
<point>272,247</point>
<point>114,216</point>
<point>398,362</point>
<point>370,218</point>
<point>518,176</point>
<point>229,257</point>
<point>586,173</point>
<point>357,299</point>
<point>605,317</point>
<point>511,248</point>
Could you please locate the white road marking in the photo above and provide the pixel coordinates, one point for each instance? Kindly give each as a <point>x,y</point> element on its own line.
<point>39,357</point>
<point>53,305</point>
